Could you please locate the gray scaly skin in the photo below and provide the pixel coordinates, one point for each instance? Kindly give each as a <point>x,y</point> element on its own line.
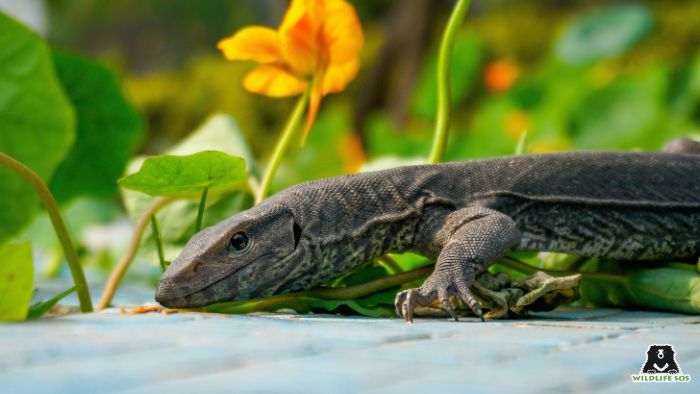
<point>628,206</point>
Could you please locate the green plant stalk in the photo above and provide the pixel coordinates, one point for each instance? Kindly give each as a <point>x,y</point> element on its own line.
<point>158,241</point>
<point>442,119</point>
<point>200,211</point>
<point>389,264</point>
<point>282,144</point>
<point>120,269</point>
<point>58,225</point>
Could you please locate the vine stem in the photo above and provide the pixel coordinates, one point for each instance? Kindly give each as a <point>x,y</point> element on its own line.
<point>118,273</point>
<point>373,286</point>
<point>389,264</point>
<point>325,293</point>
<point>59,227</point>
<point>282,145</point>
<point>442,121</point>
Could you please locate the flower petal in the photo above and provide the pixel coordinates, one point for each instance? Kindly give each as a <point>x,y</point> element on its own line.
<point>337,77</point>
<point>342,32</point>
<point>299,35</point>
<point>257,43</point>
<point>274,81</point>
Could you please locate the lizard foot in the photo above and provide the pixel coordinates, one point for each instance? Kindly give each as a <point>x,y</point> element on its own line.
<point>439,286</point>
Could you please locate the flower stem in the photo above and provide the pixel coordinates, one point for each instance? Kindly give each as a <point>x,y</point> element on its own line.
<point>442,121</point>
<point>202,204</point>
<point>118,273</point>
<point>58,225</point>
<point>158,241</point>
<point>282,144</point>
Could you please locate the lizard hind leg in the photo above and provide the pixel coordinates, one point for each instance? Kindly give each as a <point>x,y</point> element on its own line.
<point>470,239</point>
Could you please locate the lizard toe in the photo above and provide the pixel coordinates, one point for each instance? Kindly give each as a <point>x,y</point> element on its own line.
<point>444,298</point>
<point>399,301</point>
<point>468,298</point>
<point>407,300</point>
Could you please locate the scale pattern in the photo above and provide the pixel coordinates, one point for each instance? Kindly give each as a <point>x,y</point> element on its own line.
<point>465,214</point>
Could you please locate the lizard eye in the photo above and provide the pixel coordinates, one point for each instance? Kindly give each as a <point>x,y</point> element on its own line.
<point>239,242</point>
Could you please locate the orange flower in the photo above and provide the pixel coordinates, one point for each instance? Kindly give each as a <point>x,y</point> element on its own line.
<point>501,75</point>
<point>318,42</point>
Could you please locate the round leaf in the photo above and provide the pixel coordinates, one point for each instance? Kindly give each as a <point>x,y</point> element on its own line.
<point>36,120</point>
<point>178,175</point>
<point>108,130</point>
<point>604,33</point>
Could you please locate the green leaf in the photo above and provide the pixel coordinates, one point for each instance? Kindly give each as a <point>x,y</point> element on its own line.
<point>604,33</point>
<point>16,280</point>
<point>665,289</point>
<point>219,132</point>
<point>108,131</point>
<point>36,120</point>
<point>181,175</point>
<point>38,309</point>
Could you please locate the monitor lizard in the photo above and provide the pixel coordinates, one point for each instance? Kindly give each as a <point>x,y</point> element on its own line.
<point>466,215</point>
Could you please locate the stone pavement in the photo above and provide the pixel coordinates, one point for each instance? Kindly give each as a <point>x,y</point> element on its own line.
<point>562,351</point>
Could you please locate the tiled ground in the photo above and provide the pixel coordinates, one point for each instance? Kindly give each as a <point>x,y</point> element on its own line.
<point>564,351</point>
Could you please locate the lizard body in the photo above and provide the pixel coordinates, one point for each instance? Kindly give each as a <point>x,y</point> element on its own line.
<point>630,206</point>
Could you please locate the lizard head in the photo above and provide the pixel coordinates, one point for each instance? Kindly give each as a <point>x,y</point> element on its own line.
<point>249,255</point>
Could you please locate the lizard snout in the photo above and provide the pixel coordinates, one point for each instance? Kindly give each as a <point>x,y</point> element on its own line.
<point>178,281</point>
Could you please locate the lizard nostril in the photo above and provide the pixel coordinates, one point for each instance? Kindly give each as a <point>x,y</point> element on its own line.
<point>195,267</point>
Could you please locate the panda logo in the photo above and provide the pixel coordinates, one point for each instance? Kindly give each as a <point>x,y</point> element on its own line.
<point>661,359</point>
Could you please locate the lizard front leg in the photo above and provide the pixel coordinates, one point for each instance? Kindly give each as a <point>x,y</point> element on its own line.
<point>470,240</point>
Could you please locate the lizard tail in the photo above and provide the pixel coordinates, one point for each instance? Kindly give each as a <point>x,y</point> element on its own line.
<point>682,145</point>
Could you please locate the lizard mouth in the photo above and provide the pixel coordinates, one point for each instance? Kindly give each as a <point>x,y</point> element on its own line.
<point>174,293</point>
<point>170,295</point>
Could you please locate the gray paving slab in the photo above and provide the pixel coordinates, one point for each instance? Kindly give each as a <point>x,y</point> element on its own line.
<point>563,351</point>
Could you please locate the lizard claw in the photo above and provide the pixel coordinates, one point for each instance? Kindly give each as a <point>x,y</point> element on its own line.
<point>438,287</point>
<point>446,303</point>
<point>406,302</point>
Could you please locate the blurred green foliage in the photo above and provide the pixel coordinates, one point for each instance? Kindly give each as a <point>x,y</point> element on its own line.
<point>108,129</point>
<point>585,76</point>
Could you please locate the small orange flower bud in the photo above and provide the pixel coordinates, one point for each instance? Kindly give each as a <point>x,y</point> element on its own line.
<point>501,75</point>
